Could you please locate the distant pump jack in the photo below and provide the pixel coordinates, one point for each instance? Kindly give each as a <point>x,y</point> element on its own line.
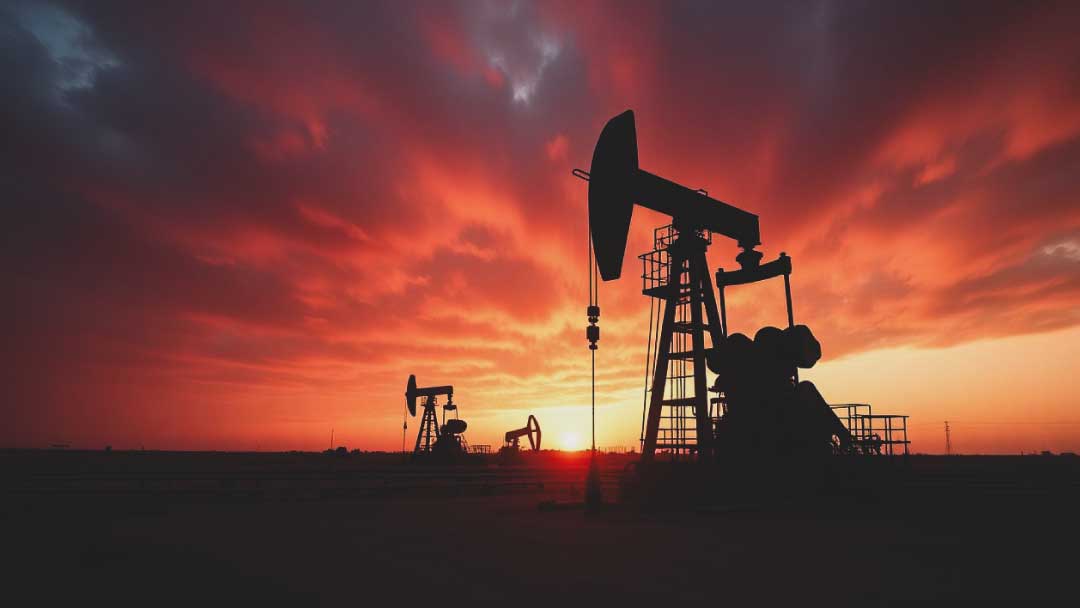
<point>531,431</point>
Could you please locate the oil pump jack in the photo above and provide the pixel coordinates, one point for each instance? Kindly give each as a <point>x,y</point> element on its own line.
<point>531,431</point>
<point>686,421</point>
<point>435,442</point>
<point>510,452</point>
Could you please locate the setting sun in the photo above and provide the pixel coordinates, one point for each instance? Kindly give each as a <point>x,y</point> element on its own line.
<point>571,442</point>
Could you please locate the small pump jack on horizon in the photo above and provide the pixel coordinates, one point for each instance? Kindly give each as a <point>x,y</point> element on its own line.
<point>593,498</point>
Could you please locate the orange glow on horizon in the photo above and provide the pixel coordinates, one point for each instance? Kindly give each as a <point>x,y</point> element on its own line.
<point>390,194</point>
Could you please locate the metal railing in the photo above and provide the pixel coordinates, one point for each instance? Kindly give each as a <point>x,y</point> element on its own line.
<point>874,434</point>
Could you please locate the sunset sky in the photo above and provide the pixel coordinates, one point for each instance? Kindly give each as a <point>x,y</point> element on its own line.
<point>233,225</point>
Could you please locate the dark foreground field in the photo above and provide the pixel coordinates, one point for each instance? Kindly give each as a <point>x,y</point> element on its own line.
<point>249,529</point>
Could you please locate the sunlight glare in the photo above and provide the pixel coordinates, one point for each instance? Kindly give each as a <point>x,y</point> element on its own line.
<point>571,442</point>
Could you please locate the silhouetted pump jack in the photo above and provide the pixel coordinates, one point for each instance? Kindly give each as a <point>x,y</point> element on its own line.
<point>531,430</point>
<point>677,273</point>
<point>435,442</point>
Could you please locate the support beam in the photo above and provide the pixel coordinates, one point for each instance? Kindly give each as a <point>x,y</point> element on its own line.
<point>697,338</point>
<point>688,250</point>
<point>693,209</point>
<point>663,347</point>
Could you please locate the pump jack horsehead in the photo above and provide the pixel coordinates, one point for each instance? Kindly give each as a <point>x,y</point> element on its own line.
<point>760,405</point>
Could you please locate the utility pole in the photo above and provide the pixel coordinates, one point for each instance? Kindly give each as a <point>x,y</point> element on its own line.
<point>948,440</point>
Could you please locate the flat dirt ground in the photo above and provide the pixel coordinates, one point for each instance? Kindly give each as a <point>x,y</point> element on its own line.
<point>89,528</point>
